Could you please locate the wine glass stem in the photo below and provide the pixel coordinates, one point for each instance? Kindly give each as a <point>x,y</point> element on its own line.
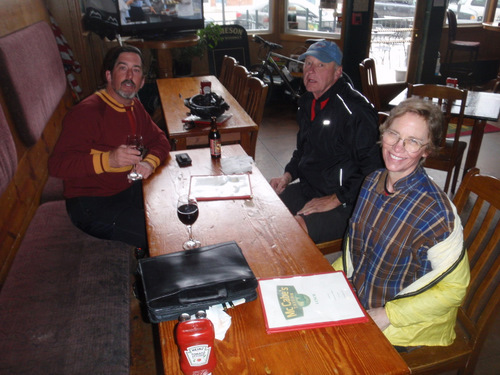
<point>190,232</point>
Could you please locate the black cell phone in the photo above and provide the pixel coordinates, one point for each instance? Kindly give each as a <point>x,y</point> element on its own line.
<point>183,160</point>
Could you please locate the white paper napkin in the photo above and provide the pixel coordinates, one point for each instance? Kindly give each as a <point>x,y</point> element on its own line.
<point>220,319</point>
<point>236,164</point>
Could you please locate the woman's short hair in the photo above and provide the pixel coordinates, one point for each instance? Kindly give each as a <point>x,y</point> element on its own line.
<point>430,112</point>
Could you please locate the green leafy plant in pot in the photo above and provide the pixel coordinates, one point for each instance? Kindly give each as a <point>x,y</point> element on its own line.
<point>183,57</point>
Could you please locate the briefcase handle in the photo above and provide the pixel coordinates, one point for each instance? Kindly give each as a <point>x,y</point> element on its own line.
<point>202,294</point>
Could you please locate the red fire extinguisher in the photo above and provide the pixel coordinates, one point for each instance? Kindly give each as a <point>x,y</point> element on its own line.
<point>195,339</point>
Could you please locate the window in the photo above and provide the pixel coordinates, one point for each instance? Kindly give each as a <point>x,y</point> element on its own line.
<point>402,11</point>
<point>472,11</point>
<point>391,38</point>
<point>251,14</point>
<point>314,17</point>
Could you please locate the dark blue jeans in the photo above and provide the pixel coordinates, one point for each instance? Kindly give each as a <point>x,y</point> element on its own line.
<point>118,217</point>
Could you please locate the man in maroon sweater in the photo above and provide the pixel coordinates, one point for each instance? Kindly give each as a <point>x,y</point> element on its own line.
<point>93,158</point>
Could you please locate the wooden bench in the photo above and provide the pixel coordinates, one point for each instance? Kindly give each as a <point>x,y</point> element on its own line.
<point>64,298</point>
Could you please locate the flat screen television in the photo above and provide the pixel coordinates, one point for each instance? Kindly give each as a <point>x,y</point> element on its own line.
<point>162,20</point>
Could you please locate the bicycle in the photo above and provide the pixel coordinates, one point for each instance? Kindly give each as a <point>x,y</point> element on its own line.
<point>274,69</point>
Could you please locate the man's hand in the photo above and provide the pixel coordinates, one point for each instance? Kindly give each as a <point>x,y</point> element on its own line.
<point>280,183</point>
<point>124,155</point>
<point>144,169</point>
<point>380,317</point>
<point>322,204</point>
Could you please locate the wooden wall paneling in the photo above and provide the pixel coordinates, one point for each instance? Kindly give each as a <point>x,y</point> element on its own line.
<point>87,47</point>
<point>17,14</point>
<point>70,23</point>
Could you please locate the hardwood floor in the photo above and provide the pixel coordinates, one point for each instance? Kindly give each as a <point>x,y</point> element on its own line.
<point>276,142</point>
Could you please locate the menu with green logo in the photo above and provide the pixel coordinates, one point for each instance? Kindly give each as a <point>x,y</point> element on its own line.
<point>309,301</point>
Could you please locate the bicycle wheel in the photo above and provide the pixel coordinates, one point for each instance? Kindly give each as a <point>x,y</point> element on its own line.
<point>264,73</point>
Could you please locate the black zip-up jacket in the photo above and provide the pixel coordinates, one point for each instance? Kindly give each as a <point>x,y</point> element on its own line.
<point>338,149</point>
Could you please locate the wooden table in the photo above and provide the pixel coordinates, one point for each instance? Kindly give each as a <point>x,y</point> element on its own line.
<point>492,26</point>
<point>172,94</point>
<point>274,245</point>
<point>481,107</point>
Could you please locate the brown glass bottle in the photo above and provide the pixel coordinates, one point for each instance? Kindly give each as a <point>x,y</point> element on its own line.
<point>214,140</point>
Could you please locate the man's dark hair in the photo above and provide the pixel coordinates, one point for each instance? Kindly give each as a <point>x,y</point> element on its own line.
<point>113,54</point>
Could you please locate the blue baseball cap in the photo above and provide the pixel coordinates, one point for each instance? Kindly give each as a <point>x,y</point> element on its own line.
<point>325,51</point>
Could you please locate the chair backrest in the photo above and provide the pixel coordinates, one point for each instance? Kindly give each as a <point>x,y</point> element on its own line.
<point>226,71</point>
<point>450,155</point>
<point>240,75</point>
<point>17,53</point>
<point>452,25</point>
<point>369,83</point>
<point>256,93</point>
<point>445,97</point>
<point>478,203</point>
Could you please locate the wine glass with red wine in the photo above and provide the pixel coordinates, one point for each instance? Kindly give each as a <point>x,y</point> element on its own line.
<point>135,141</point>
<point>187,212</point>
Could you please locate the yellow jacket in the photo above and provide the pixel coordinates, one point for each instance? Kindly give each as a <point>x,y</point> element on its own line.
<point>427,318</point>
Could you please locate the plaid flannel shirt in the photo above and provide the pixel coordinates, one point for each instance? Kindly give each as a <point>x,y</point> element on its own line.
<point>391,234</point>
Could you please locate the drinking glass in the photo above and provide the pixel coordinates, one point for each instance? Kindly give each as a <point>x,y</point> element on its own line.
<point>135,140</point>
<point>187,212</point>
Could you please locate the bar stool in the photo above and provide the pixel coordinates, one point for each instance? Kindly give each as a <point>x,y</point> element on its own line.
<point>464,73</point>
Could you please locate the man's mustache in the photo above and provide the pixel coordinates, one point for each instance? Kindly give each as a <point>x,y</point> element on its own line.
<point>128,82</point>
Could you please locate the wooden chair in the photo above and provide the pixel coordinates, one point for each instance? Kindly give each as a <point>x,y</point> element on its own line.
<point>471,47</point>
<point>449,157</point>
<point>226,71</point>
<point>378,94</point>
<point>330,247</point>
<point>369,81</point>
<point>240,75</point>
<point>255,100</point>
<point>478,203</point>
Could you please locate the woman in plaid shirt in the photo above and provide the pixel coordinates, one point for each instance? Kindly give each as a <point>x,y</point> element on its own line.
<point>404,251</point>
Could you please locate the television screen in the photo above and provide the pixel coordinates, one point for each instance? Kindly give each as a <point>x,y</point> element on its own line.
<point>148,19</point>
<point>160,18</point>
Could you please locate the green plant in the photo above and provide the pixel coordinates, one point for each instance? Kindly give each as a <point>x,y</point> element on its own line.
<point>209,37</point>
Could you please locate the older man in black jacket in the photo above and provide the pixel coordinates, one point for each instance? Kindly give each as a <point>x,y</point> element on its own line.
<point>336,147</point>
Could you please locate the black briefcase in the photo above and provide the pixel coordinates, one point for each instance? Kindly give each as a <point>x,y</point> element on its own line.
<point>193,280</point>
